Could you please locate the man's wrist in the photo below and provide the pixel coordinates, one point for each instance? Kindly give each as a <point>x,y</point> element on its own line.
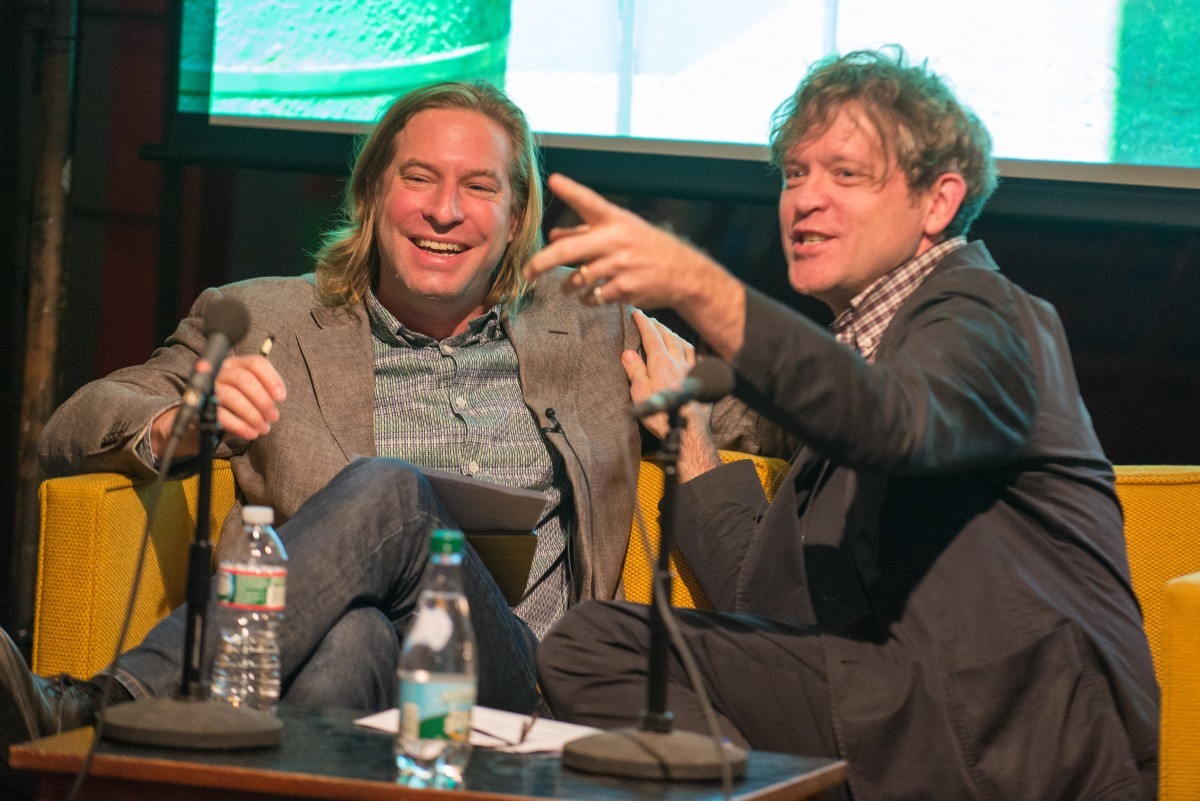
<point>158,434</point>
<point>697,451</point>
<point>715,306</point>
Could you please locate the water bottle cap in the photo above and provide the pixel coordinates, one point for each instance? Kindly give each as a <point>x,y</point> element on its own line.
<point>446,541</point>
<point>258,515</point>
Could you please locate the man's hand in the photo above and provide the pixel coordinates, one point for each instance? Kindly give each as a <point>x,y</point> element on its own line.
<point>669,359</point>
<point>247,390</point>
<point>622,257</point>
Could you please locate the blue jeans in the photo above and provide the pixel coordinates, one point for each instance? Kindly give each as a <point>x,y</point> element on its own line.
<point>356,553</point>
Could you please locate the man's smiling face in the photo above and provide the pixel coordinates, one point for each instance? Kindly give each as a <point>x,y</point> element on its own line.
<point>846,214</point>
<point>446,214</point>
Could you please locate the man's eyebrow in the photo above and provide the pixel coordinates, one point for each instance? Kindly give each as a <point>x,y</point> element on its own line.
<point>486,172</point>
<point>851,161</point>
<point>407,163</point>
<point>424,165</point>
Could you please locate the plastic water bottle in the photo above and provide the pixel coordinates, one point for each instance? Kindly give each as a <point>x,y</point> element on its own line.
<point>251,593</point>
<point>437,674</point>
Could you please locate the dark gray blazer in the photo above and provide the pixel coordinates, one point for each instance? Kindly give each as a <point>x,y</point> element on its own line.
<point>952,531</point>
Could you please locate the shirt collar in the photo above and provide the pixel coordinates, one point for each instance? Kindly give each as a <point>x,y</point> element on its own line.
<point>387,329</point>
<point>861,324</point>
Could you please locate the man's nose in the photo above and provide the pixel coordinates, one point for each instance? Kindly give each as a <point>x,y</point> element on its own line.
<point>808,195</point>
<point>445,206</point>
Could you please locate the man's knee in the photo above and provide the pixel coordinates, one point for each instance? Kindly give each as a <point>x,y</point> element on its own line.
<point>380,477</point>
<point>365,628</point>
<point>579,641</point>
<point>376,493</point>
<point>592,664</point>
<point>354,665</point>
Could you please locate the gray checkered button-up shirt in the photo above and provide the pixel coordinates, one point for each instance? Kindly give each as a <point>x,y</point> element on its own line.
<point>457,405</point>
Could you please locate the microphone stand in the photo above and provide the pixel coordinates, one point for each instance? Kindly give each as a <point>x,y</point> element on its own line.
<point>193,720</point>
<point>654,749</point>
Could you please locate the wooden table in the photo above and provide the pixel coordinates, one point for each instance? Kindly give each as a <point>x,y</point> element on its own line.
<point>324,755</point>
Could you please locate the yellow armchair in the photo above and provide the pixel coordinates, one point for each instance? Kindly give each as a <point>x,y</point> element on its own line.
<point>638,573</point>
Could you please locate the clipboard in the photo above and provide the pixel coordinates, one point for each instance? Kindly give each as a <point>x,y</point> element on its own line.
<point>498,522</point>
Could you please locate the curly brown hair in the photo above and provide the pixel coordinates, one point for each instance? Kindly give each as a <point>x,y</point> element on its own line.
<point>917,117</point>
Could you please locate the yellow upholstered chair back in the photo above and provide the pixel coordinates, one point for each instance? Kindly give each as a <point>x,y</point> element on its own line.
<point>91,527</point>
<point>638,573</point>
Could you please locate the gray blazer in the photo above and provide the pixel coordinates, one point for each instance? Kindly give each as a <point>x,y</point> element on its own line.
<point>952,531</point>
<point>570,370</point>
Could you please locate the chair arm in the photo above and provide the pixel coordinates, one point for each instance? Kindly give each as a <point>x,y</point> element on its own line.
<point>1161,504</point>
<point>1179,675</point>
<point>637,574</point>
<point>91,531</point>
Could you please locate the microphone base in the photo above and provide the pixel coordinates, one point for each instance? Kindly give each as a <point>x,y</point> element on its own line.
<point>182,723</point>
<point>666,756</point>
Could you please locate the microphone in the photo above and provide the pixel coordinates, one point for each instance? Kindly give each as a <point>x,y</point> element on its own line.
<point>710,380</point>
<point>226,322</point>
<point>192,719</point>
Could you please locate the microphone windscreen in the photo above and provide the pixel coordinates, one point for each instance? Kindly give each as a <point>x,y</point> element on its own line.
<point>229,317</point>
<point>715,379</point>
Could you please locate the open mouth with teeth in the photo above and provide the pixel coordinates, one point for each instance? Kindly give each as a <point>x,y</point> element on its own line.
<point>811,239</point>
<point>441,248</point>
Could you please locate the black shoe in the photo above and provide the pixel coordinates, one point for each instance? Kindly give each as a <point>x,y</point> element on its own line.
<point>32,706</point>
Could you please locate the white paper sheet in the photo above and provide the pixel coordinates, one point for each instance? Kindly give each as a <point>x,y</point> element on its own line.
<point>493,728</point>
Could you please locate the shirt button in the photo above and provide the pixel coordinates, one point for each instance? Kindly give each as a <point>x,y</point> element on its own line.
<point>472,468</point>
<point>460,402</point>
<point>445,349</point>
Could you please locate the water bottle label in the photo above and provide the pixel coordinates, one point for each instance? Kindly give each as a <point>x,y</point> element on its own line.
<point>262,590</point>
<point>436,710</point>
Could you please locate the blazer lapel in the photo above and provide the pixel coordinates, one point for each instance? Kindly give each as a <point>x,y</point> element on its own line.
<point>545,358</point>
<point>337,350</point>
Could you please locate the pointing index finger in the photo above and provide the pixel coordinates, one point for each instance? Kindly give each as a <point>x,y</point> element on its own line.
<point>588,204</point>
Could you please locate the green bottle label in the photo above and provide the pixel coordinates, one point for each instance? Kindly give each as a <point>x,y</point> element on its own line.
<point>438,709</point>
<point>257,590</point>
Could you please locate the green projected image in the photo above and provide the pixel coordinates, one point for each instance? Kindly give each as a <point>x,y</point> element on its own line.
<point>1158,99</point>
<point>341,60</point>
<point>335,61</point>
<point>1074,82</point>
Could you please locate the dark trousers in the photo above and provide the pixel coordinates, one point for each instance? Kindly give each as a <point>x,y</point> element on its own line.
<point>766,680</point>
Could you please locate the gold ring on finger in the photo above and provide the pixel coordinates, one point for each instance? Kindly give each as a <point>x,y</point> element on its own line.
<point>583,272</point>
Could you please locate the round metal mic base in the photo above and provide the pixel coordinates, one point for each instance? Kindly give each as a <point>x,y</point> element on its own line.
<point>668,756</point>
<point>181,723</point>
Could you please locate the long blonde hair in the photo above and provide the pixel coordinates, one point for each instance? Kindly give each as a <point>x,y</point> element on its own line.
<point>348,260</point>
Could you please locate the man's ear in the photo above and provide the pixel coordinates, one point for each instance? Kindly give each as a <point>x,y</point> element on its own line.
<point>944,199</point>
